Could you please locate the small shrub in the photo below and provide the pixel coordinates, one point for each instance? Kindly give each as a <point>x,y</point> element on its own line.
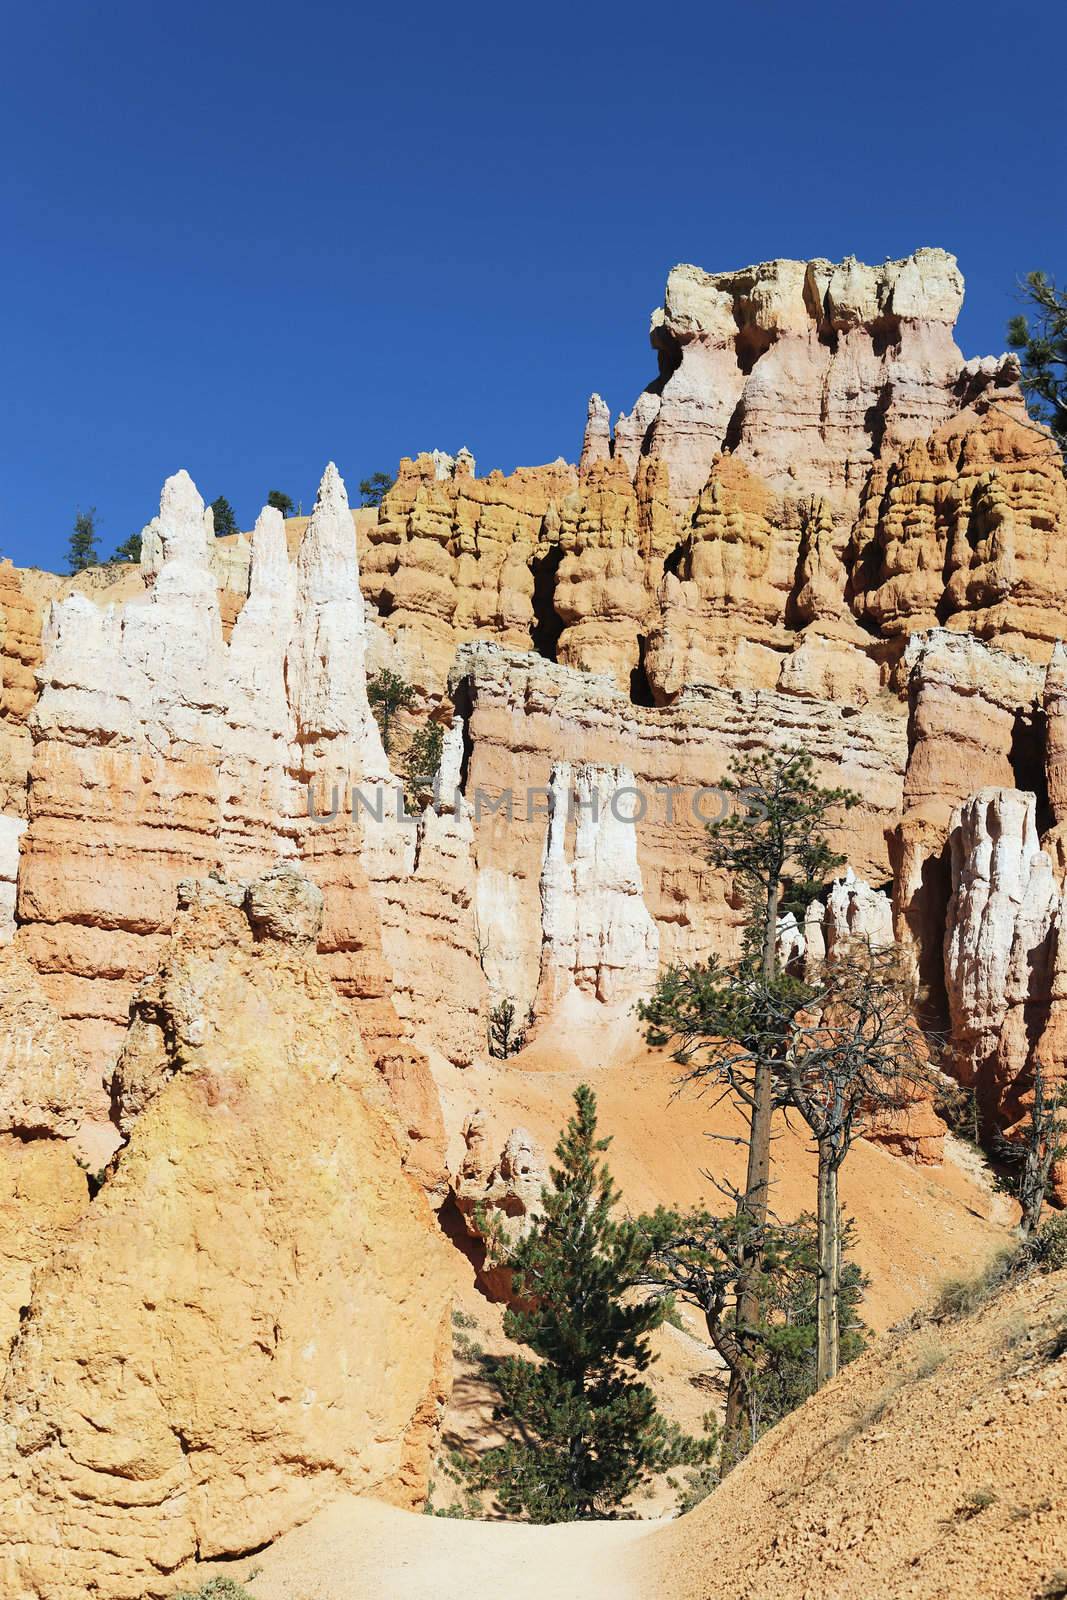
<point>957,1107</point>
<point>699,1482</point>
<point>1015,1330</point>
<point>870,1417</point>
<point>932,1355</point>
<point>959,1297</point>
<point>976,1502</point>
<point>1047,1247</point>
<point>218,1589</point>
<point>466,1348</point>
<point>463,1319</point>
<point>1057,1345</point>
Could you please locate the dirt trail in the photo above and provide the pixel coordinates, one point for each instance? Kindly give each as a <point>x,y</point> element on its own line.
<point>361,1550</point>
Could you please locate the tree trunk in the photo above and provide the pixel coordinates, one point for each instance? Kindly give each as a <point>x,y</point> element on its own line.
<point>827,1319</point>
<point>754,1204</point>
<point>1040,1149</point>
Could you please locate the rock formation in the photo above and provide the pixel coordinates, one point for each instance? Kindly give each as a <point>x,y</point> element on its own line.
<point>852,911</point>
<point>1005,958</point>
<point>597,934</point>
<point>961,529</point>
<point>43,1190</point>
<point>227,947</point>
<point>505,1193</point>
<point>806,370</point>
<point>451,558</point>
<point>970,726</point>
<point>161,751</point>
<point>267,1261</point>
<point>522,713</point>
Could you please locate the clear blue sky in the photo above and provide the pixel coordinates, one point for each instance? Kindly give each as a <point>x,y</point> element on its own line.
<point>246,238</point>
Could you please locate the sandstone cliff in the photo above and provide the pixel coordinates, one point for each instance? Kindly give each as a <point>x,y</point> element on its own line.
<point>278,1294</point>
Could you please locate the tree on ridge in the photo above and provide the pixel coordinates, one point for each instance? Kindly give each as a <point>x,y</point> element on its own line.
<point>82,551</point>
<point>225,520</point>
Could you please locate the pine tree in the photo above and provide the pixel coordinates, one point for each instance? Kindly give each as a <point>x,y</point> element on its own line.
<point>280,502</point>
<point>699,1257</point>
<point>225,521</point>
<point>373,490</point>
<point>422,762</point>
<point>1042,344</point>
<point>81,546</point>
<point>504,1037</point>
<point>584,1432</point>
<point>129,550</point>
<point>388,694</point>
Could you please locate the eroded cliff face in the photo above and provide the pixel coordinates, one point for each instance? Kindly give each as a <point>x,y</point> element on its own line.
<point>266,1259</point>
<point>816,479</point>
<point>161,750</point>
<point>805,369</point>
<point>980,871</point>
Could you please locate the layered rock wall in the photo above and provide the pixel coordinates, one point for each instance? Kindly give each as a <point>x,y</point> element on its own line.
<point>162,751</point>
<point>523,716</point>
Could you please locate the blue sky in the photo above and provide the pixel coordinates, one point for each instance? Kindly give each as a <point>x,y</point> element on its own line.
<point>245,239</point>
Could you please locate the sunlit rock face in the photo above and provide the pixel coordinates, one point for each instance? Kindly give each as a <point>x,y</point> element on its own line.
<point>597,933</point>
<point>215,1330</point>
<point>1000,918</point>
<point>162,751</point>
<point>970,724</point>
<point>526,719</point>
<point>1006,960</point>
<point>807,370</point>
<point>817,508</point>
<point>962,528</point>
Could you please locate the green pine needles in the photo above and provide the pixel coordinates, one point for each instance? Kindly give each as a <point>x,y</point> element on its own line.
<point>1041,339</point>
<point>583,1430</point>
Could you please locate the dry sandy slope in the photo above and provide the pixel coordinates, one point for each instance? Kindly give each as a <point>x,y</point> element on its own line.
<point>932,1469</point>
<point>916,1225</point>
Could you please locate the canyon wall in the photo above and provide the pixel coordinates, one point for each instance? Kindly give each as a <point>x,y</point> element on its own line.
<point>818,509</point>
<point>244,948</point>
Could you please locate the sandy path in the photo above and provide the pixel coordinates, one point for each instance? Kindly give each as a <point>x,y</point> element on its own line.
<point>361,1550</point>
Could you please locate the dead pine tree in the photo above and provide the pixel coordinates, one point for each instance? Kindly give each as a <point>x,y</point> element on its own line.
<point>1043,1143</point>
<point>855,1056</point>
<point>728,1023</point>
